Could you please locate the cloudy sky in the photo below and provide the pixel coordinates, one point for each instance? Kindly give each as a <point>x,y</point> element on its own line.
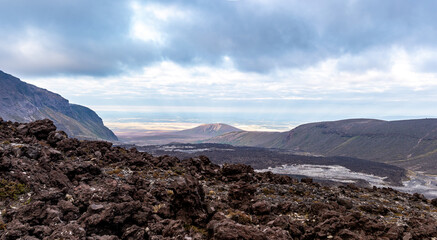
<point>257,64</point>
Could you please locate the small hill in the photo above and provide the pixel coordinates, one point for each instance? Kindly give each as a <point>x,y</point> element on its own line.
<point>209,130</point>
<point>191,135</point>
<point>24,102</point>
<point>411,144</point>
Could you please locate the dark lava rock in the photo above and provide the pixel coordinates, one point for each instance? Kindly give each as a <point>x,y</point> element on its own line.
<point>41,128</point>
<point>229,230</point>
<point>418,197</point>
<point>261,207</point>
<point>55,137</point>
<point>434,202</point>
<point>344,202</point>
<point>241,194</point>
<point>275,178</point>
<point>55,187</point>
<point>307,180</point>
<point>237,172</point>
<point>188,200</point>
<point>381,210</point>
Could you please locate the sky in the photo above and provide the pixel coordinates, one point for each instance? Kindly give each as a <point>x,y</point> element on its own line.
<point>255,64</point>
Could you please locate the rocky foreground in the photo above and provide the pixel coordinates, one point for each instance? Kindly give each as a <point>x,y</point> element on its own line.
<point>55,187</point>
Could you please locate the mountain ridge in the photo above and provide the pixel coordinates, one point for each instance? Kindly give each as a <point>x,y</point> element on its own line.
<point>411,144</point>
<point>23,102</point>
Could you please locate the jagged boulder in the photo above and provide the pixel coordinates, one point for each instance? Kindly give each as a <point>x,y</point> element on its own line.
<point>188,200</point>
<point>228,230</point>
<point>41,128</point>
<point>434,202</point>
<point>238,172</point>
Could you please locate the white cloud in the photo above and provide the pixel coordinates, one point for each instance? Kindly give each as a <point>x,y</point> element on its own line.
<point>146,33</point>
<point>325,91</point>
<point>148,20</point>
<point>33,50</point>
<point>225,82</point>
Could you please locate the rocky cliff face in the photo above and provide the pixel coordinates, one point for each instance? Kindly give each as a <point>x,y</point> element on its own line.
<point>55,187</point>
<point>23,102</point>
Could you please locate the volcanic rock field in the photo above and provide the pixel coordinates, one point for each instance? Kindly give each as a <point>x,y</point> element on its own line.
<point>55,187</point>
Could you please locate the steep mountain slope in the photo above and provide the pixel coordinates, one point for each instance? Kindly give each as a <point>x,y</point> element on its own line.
<point>408,143</point>
<point>23,102</point>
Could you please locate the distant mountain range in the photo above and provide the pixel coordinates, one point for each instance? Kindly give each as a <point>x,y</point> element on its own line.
<point>202,132</point>
<point>411,144</point>
<point>22,102</point>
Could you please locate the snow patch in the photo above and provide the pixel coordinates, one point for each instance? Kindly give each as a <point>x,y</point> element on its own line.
<point>418,183</point>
